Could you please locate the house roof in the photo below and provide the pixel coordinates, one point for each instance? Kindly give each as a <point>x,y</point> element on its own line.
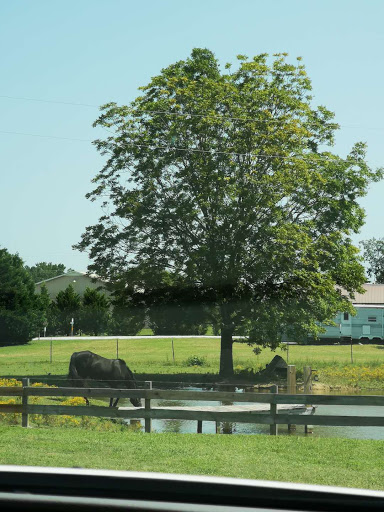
<point>72,273</point>
<point>374,294</point>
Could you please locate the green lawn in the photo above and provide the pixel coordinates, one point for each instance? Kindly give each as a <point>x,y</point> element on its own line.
<point>152,359</point>
<point>341,462</point>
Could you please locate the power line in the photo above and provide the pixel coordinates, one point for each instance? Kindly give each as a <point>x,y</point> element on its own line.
<point>213,152</point>
<point>192,150</point>
<point>44,136</point>
<point>75,104</point>
<point>145,112</point>
<point>172,113</point>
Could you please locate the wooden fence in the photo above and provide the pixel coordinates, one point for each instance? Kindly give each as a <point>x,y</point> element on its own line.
<point>271,417</point>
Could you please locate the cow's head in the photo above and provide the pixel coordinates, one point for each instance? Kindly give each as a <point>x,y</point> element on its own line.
<point>136,402</point>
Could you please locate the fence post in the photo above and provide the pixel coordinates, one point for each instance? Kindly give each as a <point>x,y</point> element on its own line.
<point>291,387</point>
<point>24,403</point>
<point>199,427</point>
<point>117,348</point>
<point>307,374</point>
<point>273,428</point>
<point>308,429</point>
<point>148,421</point>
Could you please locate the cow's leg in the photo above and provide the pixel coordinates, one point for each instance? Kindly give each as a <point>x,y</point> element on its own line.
<point>115,404</point>
<point>86,400</point>
<point>110,402</point>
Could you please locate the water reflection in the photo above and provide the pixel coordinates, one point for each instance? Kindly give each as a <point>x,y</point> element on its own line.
<point>210,427</point>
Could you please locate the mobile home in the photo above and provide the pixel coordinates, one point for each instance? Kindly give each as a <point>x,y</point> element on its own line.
<point>367,324</point>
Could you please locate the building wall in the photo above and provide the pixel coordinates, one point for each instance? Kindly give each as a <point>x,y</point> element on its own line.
<point>79,282</point>
<point>367,323</point>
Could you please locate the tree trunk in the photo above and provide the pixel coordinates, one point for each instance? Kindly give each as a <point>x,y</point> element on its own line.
<point>226,353</point>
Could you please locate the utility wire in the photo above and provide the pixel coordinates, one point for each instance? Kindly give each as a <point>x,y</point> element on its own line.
<point>192,150</point>
<point>75,104</point>
<point>44,136</point>
<point>171,113</point>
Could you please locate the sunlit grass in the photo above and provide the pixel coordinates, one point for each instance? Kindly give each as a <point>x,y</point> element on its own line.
<point>346,462</point>
<point>154,357</point>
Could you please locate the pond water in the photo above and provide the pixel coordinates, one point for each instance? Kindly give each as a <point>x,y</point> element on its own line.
<point>209,427</point>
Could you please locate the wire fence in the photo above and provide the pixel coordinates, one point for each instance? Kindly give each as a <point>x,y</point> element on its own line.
<point>53,356</point>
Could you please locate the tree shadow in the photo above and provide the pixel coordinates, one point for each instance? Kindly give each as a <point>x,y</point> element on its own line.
<point>160,380</point>
<point>52,380</point>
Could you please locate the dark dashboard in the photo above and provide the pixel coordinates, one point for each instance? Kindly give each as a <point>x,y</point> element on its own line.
<point>63,489</point>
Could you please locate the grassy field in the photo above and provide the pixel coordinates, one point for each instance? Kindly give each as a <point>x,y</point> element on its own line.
<point>152,359</point>
<point>340,462</point>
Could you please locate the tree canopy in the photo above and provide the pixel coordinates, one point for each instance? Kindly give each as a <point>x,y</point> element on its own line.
<point>66,306</point>
<point>95,312</point>
<point>224,178</point>
<point>44,270</point>
<point>374,257</point>
<point>21,311</point>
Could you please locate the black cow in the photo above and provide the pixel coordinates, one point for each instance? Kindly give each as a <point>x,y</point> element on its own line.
<point>85,366</point>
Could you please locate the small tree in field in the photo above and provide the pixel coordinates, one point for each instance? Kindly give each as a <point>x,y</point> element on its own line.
<point>224,178</point>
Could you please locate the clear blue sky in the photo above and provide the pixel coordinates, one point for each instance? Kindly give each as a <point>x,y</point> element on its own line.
<point>92,52</point>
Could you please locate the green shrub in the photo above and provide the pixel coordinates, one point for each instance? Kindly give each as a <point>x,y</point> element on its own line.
<point>195,361</point>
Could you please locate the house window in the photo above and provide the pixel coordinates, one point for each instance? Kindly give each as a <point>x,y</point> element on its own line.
<point>371,319</point>
<point>346,316</point>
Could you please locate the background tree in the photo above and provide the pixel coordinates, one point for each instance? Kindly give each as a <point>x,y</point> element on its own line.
<point>374,256</point>
<point>20,311</point>
<point>67,306</point>
<point>173,308</point>
<point>44,304</point>
<point>129,313</point>
<point>95,312</point>
<point>224,179</point>
<point>44,270</point>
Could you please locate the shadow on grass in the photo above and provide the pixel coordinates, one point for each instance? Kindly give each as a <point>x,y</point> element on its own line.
<point>160,380</point>
<point>53,380</point>
<point>206,381</point>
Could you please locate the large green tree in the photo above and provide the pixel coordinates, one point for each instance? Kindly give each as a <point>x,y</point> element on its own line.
<point>374,257</point>
<point>44,270</point>
<point>225,179</point>
<point>21,311</point>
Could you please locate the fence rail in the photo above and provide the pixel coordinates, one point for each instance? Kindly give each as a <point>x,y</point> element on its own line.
<point>271,417</point>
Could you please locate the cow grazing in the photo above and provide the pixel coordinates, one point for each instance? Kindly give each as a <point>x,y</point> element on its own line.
<point>87,366</point>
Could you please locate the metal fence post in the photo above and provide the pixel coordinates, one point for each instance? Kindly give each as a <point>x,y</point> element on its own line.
<point>307,374</point>
<point>308,429</point>
<point>291,387</point>
<point>148,421</point>
<point>24,403</point>
<point>273,428</point>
